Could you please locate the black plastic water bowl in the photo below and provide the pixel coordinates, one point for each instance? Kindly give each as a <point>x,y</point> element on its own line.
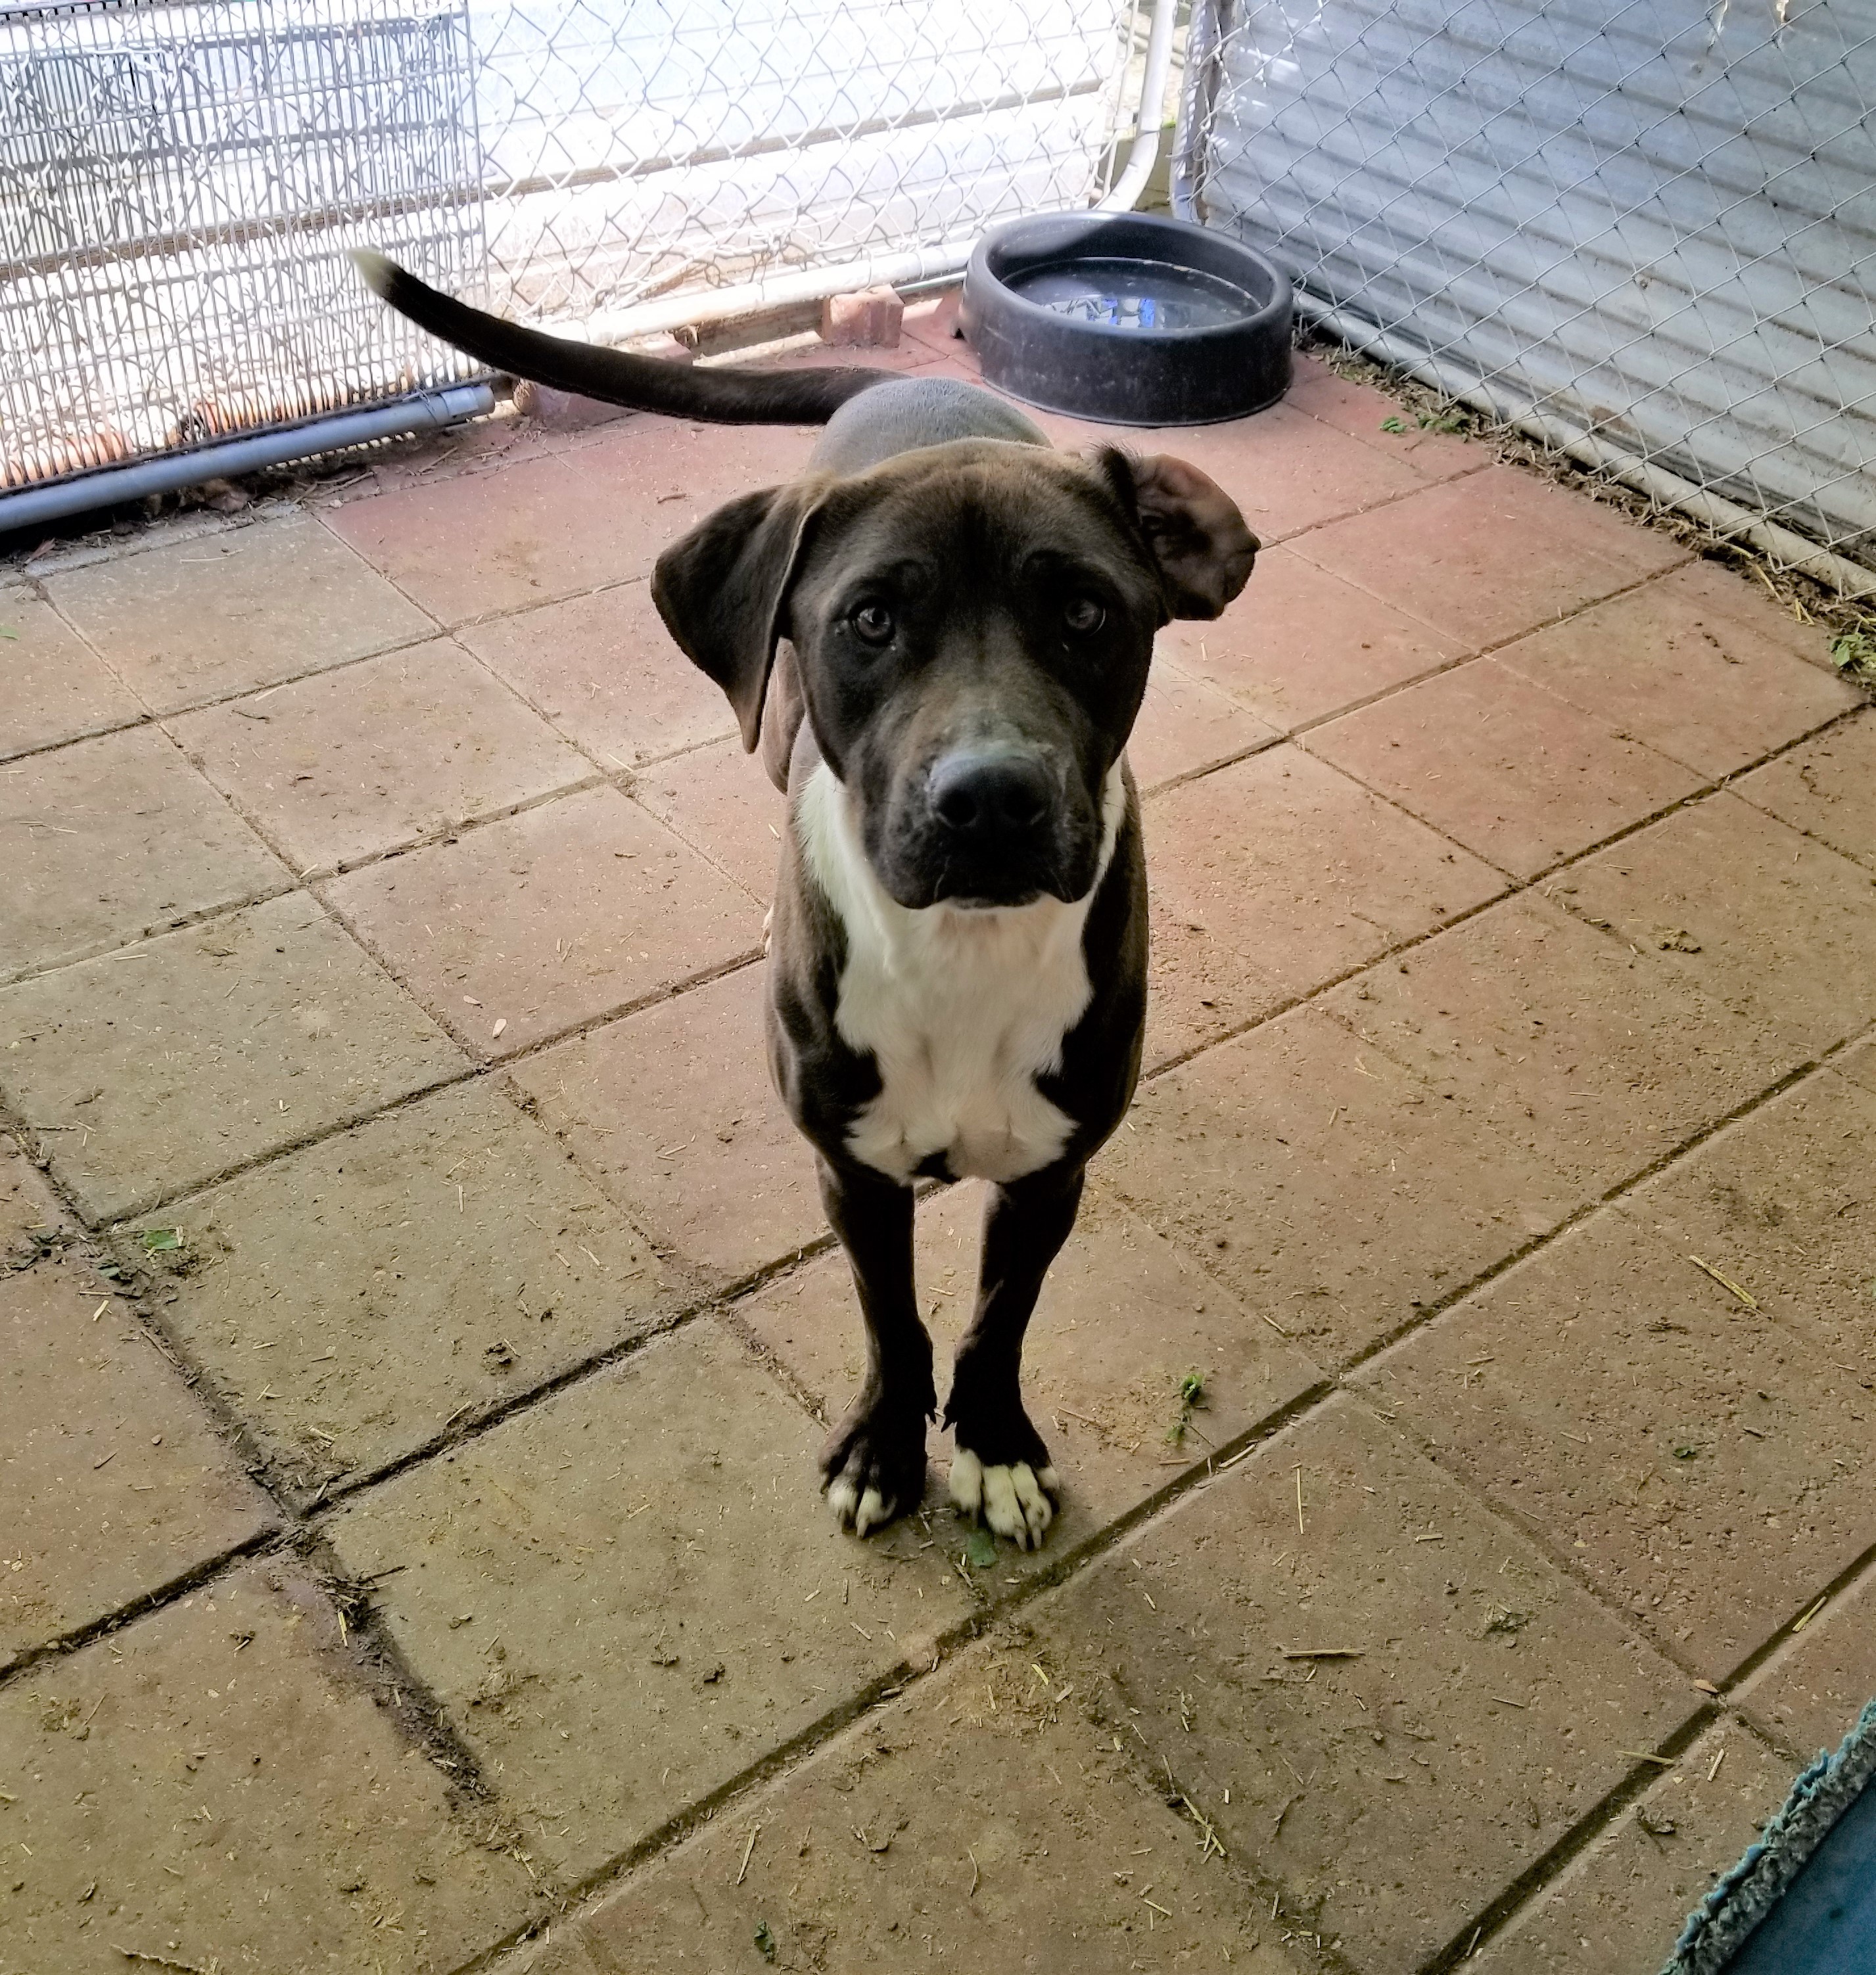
<point>1128,319</point>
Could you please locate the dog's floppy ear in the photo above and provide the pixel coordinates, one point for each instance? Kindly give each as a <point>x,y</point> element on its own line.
<point>722,590</point>
<point>1198,536</point>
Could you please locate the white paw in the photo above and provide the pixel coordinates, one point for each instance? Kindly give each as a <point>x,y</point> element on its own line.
<point>856,1511</point>
<point>1015,1501</point>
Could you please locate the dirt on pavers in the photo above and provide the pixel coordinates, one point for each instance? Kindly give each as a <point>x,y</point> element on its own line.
<point>32,1224</point>
<point>155,1069</point>
<point>113,1484</point>
<point>232,610</point>
<point>982,1821</point>
<point>1619,1907</point>
<point>1707,1470</point>
<point>1136,1369</point>
<point>84,869</point>
<point>1386,1702</point>
<point>1809,1693</point>
<point>361,1296</point>
<point>1337,1194</point>
<point>215,1789</point>
<point>626,1595</point>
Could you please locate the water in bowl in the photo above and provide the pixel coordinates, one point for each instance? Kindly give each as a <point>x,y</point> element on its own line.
<point>1150,295</point>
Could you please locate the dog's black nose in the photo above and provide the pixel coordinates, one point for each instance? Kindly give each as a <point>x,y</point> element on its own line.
<point>981,794</point>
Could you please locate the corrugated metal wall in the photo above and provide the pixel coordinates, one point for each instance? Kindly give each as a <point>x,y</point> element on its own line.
<point>1652,223</point>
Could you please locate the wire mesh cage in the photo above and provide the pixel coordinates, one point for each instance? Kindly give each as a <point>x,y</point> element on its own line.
<point>178,186</point>
<point>1644,233</point>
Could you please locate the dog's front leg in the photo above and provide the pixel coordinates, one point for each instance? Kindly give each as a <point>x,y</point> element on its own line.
<point>1001,1470</point>
<point>874,1466</point>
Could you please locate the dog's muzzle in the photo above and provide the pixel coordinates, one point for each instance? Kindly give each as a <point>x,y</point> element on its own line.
<point>996,827</point>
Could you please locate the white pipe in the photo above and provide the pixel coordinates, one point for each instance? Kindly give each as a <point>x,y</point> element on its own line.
<point>164,472</point>
<point>1786,547</point>
<point>947,257</point>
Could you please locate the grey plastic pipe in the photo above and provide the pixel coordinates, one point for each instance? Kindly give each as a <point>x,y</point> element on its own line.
<point>29,507</point>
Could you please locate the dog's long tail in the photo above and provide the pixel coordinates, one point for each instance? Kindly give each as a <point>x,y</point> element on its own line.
<point>722,395</point>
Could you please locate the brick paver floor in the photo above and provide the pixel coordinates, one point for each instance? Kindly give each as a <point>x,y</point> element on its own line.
<point>418,1321</point>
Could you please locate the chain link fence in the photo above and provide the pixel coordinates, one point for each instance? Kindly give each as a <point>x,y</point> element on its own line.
<point>1644,234</point>
<point>180,182</point>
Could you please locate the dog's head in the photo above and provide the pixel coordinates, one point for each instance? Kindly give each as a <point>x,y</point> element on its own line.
<point>972,624</point>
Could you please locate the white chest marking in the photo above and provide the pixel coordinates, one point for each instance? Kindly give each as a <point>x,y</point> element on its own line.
<point>961,1010</point>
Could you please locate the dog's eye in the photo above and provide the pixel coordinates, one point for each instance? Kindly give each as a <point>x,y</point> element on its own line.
<point>1084,615</point>
<point>874,623</point>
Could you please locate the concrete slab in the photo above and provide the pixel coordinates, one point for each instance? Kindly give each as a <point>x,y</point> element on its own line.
<point>1454,1705</point>
<point>1334,1192</point>
<point>627,1595</point>
<point>214,1787</point>
<point>1185,727</point>
<point>542,921</point>
<point>31,1219</point>
<point>113,839</point>
<point>671,1110</point>
<point>1810,1693</point>
<point>1710,1474</point>
<point>340,766</point>
<point>1826,788</point>
<point>162,1067</point>
<point>352,1302</point>
<point>57,689</point>
<point>720,801</point>
<point>112,1482</point>
<point>225,613</point>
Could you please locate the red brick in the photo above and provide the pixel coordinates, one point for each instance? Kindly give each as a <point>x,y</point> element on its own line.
<point>339,766</point>
<point>1300,644</point>
<point>1700,665</point>
<point>1826,788</point>
<point>1709,1473</point>
<point>225,613</point>
<point>871,316</point>
<point>603,668</point>
<point>672,1111</point>
<point>1492,556</point>
<point>57,687</point>
<point>1512,771</point>
<point>1596,1057</point>
<point>1335,1193</point>
<point>113,1485</point>
<point>548,919</point>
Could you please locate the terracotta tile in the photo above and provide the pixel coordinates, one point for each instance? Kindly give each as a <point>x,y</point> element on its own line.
<point>1810,1693</point>
<point>1300,872</point>
<point>174,1061</point>
<point>1700,665</point>
<point>721,802</point>
<point>1621,1903</point>
<point>1300,644</point>
<point>604,670</point>
<point>235,1722</point>
<point>547,919</point>
<point>1598,1058</point>
<point>1363,412</point>
<point>529,1553</point>
<point>1763,919</point>
<point>1336,1193</point>
<point>1784,1202</point>
<point>1708,1473</point>
<point>352,1301</point>
<point>28,1208</point>
<point>956,1795</point>
<point>578,518</point>
<point>1185,726</point>
<point>57,687</point>
<point>1493,555</point>
<point>226,613</point>
<point>1826,788</point>
<point>1414,1796</point>
<point>1512,771</point>
<point>117,837</point>
<point>1124,1317</point>
<point>672,1111</point>
<point>336,767</point>
<point>113,1483</point>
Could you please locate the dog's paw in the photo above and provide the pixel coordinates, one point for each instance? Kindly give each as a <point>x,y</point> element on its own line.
<point>1017,1502</point>
<point>873,1469</point>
